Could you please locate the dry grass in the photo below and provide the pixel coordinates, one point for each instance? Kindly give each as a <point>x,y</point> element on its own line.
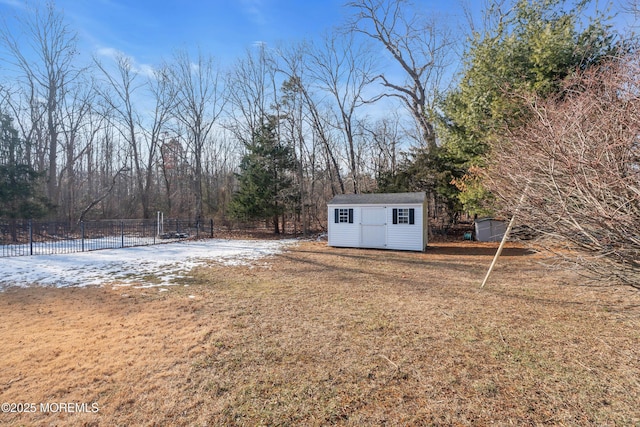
<point>324,336</point>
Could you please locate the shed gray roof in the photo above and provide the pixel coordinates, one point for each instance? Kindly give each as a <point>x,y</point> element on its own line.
<point>379,199</point>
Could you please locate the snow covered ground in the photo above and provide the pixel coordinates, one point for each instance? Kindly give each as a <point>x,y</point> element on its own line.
<point>143,265</point>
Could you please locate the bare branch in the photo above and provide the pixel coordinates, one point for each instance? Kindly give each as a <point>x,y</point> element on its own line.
<point>579,157</point>
<point>420,46</point>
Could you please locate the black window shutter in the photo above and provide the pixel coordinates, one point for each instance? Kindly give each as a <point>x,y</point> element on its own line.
<point>336,217</point>
<point>395,216</point>
<point>350,216</point>
<point>412,216</point>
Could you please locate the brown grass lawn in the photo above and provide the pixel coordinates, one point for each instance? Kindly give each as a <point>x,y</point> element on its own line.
<point>326,336</point>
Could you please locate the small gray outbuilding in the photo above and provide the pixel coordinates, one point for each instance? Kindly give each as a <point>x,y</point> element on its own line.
<point>379,220</point>
<point>490,229</point>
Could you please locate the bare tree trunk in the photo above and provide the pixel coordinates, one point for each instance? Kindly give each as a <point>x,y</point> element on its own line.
<point>53,46</point>
<point>421,47</point>
<point>143,158</point>
<point>199,103</point>
<point>344,71</point>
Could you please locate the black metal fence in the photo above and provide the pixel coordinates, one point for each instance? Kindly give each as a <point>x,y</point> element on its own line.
<point>27,237</point>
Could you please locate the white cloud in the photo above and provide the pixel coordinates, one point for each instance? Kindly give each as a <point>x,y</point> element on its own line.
<point>145,70</point>
<point>109,52</point>
<point>114,54</point>
<point>253,8</point>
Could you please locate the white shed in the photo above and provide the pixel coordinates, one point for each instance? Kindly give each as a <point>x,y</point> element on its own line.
<point>383,221</point>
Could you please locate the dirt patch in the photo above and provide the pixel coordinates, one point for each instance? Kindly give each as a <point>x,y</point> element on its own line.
<point>327,336</point>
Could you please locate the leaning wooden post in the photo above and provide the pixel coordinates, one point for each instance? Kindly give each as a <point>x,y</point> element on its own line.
<point>504,240</point>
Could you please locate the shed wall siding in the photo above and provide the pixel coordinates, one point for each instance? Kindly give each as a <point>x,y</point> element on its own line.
<point>405,236</point>
<point>425,225</point>
<point>410,237</point>
<point>344,234</point>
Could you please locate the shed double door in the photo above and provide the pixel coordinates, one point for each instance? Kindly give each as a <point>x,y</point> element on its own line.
<point>373,227</point>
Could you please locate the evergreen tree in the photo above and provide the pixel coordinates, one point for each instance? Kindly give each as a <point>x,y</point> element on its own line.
<point>19,183</point>
<point>265,183</point>
<point>532,49</point>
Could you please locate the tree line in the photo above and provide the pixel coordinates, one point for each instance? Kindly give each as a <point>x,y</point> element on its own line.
<point>285,128</point>
<point>105,139</point>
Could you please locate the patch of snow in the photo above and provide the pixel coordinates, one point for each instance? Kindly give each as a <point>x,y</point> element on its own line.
<point>158,265</point>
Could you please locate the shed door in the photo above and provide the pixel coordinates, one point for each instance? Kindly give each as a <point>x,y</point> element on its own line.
<point>373,227</point>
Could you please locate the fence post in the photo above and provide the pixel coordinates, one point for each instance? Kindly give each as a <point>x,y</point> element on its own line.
<point>211,223</point>
<point>122,234</point>
<point>30,237</point>
<point>82,232</point>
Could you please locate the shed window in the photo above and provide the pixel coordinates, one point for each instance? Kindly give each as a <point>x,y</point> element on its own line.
<point>343,216</point>
<point>404,216</point>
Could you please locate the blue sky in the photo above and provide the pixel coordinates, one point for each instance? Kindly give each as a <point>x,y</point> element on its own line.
<point>150,30</point>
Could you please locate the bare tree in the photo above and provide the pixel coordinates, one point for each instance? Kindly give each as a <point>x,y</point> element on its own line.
<point>107,166</point>
<point>576,167</point>
<point>90,162</point>
<point>46,62</point>
<point>222,157</point>
<point>422,48</point>
<point>22,102</point>
<point>76,108</point>
<point>118,94</point>
<point>199,103</point>
<point>631,6</point>
<point>344,70</point>
<point>251,93</point>
<point>296,66</point>
<point>106,192</point>
<point>385,136</point>
<point>293,115</point>
<point>162,92</point>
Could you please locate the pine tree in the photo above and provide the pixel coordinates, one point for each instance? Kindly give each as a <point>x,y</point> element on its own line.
<point>532,50</point>
<point>19,183</point>
<point>265,181</point>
